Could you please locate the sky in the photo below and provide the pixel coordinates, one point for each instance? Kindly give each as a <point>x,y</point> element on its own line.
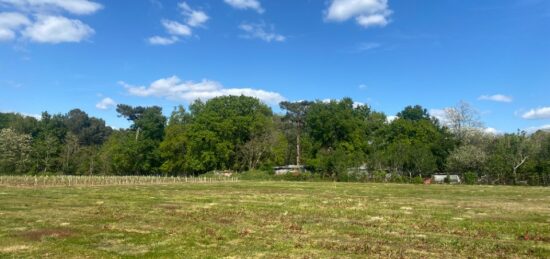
<point>56,55</point>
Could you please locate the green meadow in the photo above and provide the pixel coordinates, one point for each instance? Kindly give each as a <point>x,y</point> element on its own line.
<point>252,219</point>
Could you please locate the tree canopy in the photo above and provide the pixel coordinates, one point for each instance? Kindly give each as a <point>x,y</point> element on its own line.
<point>337,140</point>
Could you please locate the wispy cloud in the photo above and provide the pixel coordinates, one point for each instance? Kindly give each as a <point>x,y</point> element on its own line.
<point>366,46</point>
<point>177,30</point>
<point>538,113</point>
<point>367,13</point>
<point>194,18</point>
<point>261,31</point>
<point>163,41</point>
<point>173,88</point>
<point>496,98</point>
<point>246,4</point>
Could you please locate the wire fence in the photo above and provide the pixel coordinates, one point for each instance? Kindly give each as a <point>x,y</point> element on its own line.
<point>69,180</point>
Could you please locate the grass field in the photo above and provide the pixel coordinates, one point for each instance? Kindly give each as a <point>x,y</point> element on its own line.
<point>275,220</point>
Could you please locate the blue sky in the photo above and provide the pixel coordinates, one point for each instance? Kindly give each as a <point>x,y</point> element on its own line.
<point>56,55</point>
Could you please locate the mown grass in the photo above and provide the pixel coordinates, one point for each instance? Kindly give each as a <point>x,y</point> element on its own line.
<point>275,220</point>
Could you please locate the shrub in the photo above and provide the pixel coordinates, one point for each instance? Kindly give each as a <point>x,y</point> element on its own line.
<point>379,176</point>
<point>304,176</point>
<point>470,178</point>
<point>395,178</point>
<point>417,180</point>
<point>256,175</point>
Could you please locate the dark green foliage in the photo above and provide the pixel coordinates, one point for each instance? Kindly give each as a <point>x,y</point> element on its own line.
<point>470,178</point>
<point>220,134</point>
<point>414,113</point>
<point>125,155</point>
<point>415,144</point>
<point>417,180</point>
<point>339,132</point>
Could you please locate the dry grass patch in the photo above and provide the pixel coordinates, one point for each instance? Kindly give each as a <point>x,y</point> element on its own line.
<point>39,234</point>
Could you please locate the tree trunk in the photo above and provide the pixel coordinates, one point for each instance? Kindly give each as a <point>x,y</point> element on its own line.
<point>518,165</point>
<point>137,134</point>
<point>514,175</point>
<point>298,151</point>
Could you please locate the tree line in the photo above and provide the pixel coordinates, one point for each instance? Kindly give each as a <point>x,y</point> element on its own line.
<point>337,140</point>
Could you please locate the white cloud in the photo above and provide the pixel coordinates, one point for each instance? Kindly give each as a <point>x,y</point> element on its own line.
<point>490,130</point>
<point>173,88</point>
<point>389,119</point>
<point>358,104</point>
<point>79,7</point>
<point>367,13</point>
<point>176,28</point>
<point>9,23</point>
<point>48,24</point>
<point>194,18</point>
<point>539,113</point>
<point>535,129</point>
<point>12,20</point>
<point>57,29</point>
<point>439,114</point>
<point>163,41</point>
<point>496,98</point>
<point>261,31</point>
<point>6,34</point>
<point>105,103</point>
<point>246,4</point>
<point>36,116</point>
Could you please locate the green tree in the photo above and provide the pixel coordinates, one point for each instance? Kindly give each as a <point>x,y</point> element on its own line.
<point>295,117</point>
<point>15,152</point>
<point>173,148</point>
<point>510,153</point>
<point>415,143</point>
<point>414,113</point>
<point>148,121</point>
<point>221,134</point>
<point>124,155</point>
<point>340,134</point>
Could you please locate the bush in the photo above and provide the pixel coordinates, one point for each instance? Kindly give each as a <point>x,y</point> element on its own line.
<point>417,180</point>
<point>395,178</point>
<point>379,176</point>
<point>256,175</point>
<point>470,178</point>
<point>304,176</point>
